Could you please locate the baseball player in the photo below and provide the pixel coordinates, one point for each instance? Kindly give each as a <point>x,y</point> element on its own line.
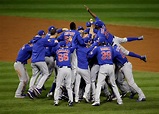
<point>83,70</point>
<point>105,55</point>
<point>111,39</point>
<point>90,27</point>
<point>63,61</point>
<point>126,68</point>
<point>23,55</point>
<point>94,69</point>
<point>52,55</point>
<point>93,63</point>
<point>74,37</point>
<point>48,55</point>
<point>63,91</point>
<point>49,59</point>
<point>38,62</point>
<point>80,29</point>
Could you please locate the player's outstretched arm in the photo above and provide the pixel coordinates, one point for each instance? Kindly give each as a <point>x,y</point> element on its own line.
<point>138,56</point>
<point>129,39</point>
<point>92,14</point>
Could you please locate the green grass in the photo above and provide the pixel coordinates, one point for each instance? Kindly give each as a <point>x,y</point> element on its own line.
<point>148,81</point>
<point>121,12</point>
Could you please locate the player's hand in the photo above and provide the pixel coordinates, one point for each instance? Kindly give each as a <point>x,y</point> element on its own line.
<point>64,29</point>
<point>70,39</point>
<point>86,7</point>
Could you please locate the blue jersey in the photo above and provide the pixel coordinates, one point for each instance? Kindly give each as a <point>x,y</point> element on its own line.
<point>67,35</point>
<point>120,58</point>
<point>24,54</point>
<point>39,48</point>
<point>105,54</point>
<point>73,35</point>
<point>82,56</point>
<point>49,49</point>
<point>103,32</point>
<point>93,61</point>
<point>63,56</point>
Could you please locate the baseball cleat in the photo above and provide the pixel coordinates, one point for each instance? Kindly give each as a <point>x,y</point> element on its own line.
<point>50,94</point>
<point>86,99</point>
<point>30,95</point>
<point>37,91</point>
<point>76,101</point>
<point>56,103</point>
<point>141,99</point>
<point>140,37</point>
<point>132,95</point>
<point>70,104</point>
<point>113,97</point>
<point>144,58</point>
<point>119,102</point>
<point>20,96</point>
<point>96,104</point>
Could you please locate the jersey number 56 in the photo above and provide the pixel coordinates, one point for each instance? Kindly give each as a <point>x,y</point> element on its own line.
<point>63,57</point>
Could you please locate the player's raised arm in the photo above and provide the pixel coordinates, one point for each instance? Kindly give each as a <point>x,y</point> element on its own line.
<point>93,14</point>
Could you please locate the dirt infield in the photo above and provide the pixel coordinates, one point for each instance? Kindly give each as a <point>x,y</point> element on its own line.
<point>16,31</point>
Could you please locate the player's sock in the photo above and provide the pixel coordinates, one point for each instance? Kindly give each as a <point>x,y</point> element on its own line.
<point>53,87</point>
<point>129,39</point>
<point>134,55</point>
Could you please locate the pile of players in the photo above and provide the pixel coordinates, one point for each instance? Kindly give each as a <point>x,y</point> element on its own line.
<point>85,61</point>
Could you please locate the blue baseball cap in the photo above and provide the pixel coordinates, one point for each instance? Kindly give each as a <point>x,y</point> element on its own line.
<point>41,32</point>
<point>99,23</point>
<point>80,28</point>
<point>59,30</point>
<point>51,27</point>
<point>87,30</point>
<point>87,39</point>
<point>62,43</point>
<point>95,30</point>
<point>102,40</point>
<point>88,24</point>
